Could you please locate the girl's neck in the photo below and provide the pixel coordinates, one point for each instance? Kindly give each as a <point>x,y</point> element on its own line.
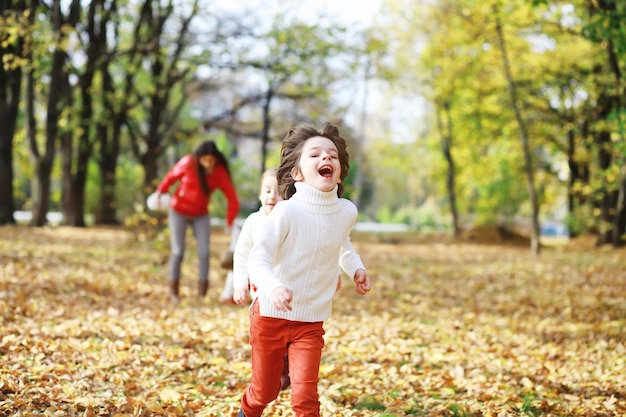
<point>312,194</point>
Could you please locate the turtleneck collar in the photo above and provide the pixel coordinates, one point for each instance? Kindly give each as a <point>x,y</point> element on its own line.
<point>309,196</point>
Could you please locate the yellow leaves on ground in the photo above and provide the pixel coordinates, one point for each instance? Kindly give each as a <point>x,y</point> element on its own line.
<point>450,329</point>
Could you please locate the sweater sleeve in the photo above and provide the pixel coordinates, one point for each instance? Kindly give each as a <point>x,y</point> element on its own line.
<point>242,252</point>
<point>234,237</point>
<point>228,189</point>
<point>265,247</point>
<point>219,178</point>
<point>349,259</point>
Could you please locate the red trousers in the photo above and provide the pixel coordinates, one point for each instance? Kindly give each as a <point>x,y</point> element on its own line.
<point>271,339</point>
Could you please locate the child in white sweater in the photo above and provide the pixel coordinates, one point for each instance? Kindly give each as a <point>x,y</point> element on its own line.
<point>268,196</point>
<point>239,282</point>
<point>294,265</point>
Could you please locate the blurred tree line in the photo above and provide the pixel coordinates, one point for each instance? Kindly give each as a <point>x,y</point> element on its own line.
<point>521,105</point>
<point>525,108</point>
<point>102,97</point>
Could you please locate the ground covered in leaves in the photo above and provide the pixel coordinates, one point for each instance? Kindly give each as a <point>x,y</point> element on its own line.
<point>450,329</point>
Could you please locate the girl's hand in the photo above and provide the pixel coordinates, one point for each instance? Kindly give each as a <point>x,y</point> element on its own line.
<point>240,295</point>
<point>362,282</point>
<point>281,299</point>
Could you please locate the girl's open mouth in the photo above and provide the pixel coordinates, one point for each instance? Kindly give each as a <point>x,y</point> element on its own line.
<point>326,171</point>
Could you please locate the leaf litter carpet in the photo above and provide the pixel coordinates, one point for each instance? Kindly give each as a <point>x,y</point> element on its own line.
<point>450,329</point>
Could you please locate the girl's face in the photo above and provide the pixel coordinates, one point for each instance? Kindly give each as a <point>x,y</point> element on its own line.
<point>319,164</point>
<point>208,162</point>
<point>268,195</point>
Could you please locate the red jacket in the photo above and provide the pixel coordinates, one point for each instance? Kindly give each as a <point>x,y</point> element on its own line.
<point>189,198</point>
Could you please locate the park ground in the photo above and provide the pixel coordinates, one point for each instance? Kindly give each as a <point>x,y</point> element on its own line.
<point>476,326</point>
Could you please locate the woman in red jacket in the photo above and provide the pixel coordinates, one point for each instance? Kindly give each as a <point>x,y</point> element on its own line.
<point>198,175</point>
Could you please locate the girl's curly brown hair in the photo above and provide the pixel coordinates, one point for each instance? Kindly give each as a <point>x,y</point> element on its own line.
<point>291,151</point>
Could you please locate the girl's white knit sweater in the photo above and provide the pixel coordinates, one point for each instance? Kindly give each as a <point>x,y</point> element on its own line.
<point>302,243</point>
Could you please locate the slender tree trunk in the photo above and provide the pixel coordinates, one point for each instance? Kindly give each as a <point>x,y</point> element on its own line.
<point>619,220</point>
<point>151,172</point>
<point>604,197</point>
<point>107,209</point>
<point>619,224</point>
<point>78,183</point>
<point>108,131</point>
<point>76,176</point>
<point>607,198</point>
<point>446,147</point>
<point>521,124</point>
<point>43,161</point>
<point>267,124</point>
<point>358,156</point>
<point>579,177</point>
<point>110,139</point>
<point>66,150</point>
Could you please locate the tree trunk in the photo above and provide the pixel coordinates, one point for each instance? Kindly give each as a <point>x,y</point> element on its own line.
<point>43,162</point>
<point>446,147</point>
<point>110,139</point>
<point>10,93</point>
<point>358,156</point>
<point>57,101</point>
<point>76,210</point>
<point>604,198</point>
<point>41,191</point>
<point>619,223</point>
<point>107,209</point>
<point>66,149</point>
<point>619,210</point>
<point>78,190</point>
<point>151,171</point>
<point>579,175</point>
<point>523,131</point>
<point>267,123</point>
<point>607,198</point>
<point>613,215</point>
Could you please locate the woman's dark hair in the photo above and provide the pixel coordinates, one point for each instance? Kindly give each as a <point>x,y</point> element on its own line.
<point>208,147</point>
<point>291,151</point>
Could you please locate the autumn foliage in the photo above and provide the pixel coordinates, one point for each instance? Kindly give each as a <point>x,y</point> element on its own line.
<point>450,329</point>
